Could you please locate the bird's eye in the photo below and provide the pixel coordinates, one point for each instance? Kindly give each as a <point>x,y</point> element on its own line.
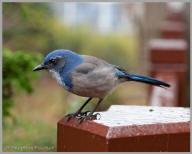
<point>52,60</point>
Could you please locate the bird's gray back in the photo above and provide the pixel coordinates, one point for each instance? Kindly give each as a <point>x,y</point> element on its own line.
<point>93,78</point>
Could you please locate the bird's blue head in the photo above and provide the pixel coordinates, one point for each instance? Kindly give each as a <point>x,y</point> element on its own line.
<point>60,60</point>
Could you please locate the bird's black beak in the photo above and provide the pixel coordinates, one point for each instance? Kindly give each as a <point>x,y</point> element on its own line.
<point>39,67</point>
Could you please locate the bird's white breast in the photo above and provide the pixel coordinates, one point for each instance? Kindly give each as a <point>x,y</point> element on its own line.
<point>57,77</point>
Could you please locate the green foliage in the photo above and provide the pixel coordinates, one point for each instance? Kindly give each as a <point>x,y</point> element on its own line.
<point>28,27</point>
<point>17,75</point>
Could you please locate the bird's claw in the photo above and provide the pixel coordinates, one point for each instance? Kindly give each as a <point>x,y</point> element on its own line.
<point>83,114</point>
<point>71,115</point>
<point>99,116</point>
<point>88,117</point>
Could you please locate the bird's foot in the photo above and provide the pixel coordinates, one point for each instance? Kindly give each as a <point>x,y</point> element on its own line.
<point>76,114</point>
<point>88,117</point>
<point>83,113</point>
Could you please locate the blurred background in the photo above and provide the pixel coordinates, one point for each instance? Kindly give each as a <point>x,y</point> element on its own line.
<point>119,33</point>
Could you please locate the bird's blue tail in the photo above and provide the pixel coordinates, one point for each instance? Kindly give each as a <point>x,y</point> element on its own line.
<point>144,79</point>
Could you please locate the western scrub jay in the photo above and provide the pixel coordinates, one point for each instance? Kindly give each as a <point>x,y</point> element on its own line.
<point>88,76</point>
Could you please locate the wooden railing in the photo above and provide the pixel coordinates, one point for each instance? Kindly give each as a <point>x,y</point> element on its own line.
<point>168,56</point>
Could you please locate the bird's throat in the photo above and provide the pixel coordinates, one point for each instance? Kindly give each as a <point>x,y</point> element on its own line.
<point>57,77</point>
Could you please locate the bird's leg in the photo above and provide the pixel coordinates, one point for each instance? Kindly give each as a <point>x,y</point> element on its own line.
<point>78,112</point>
<point>90,115</point>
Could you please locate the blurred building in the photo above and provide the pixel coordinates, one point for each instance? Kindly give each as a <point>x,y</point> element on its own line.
<point>104,17</point>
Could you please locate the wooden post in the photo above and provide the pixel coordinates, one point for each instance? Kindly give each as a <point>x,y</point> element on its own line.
<point>170,56</point>
<point>128,129</point>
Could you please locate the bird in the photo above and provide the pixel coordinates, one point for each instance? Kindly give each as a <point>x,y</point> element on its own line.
<point>88,76</point>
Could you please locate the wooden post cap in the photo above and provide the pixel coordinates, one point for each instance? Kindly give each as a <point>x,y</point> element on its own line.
<point>169,51</point>
<point>128,128</point>
<point>172,29</point>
